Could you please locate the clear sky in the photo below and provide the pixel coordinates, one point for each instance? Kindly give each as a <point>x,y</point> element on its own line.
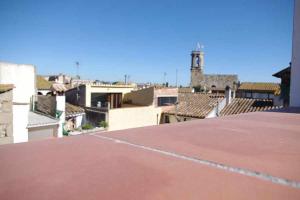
<point>251,38</point>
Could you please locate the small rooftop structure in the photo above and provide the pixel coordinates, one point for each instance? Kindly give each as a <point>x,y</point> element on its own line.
<point>284,72</point>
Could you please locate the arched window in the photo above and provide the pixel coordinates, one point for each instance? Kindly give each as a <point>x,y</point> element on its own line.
<point>198,61</point>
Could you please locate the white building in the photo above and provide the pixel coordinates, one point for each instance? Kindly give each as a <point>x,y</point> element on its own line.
<point>26,125</point>
<point>23,78</point>
<point>295,70</point>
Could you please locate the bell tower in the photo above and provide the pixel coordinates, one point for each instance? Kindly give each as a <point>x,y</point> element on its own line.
<point>197,67</point>
<point>197,60</point>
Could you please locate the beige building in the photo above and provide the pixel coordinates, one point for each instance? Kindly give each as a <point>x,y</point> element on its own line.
<point>156,96</point>
<point>121,106</point>
<point>98,95</point>
<point>142,108</point>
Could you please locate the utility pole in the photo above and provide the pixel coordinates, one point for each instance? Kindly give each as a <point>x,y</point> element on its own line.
<point>176,77</point>
<point>165,75</point>
<point>77,69</point>
<point>127,77</point>
<point>77,74</point>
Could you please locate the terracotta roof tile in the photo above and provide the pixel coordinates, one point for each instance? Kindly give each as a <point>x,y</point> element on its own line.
<point>42,84</point>
<point>73,110</point>
<point>263,87</point>
<point>196,105</point>
<point>244,105</point>
<point>58,87</point>
<point>6,87</point>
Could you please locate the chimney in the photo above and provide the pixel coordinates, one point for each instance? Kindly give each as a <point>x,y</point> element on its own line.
<point>228,95</point>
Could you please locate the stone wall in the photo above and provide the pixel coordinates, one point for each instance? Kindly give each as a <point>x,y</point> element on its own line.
<point>6,118</point>
<point>46,105</point>
<point>220,81</point>
<point>207,81</point>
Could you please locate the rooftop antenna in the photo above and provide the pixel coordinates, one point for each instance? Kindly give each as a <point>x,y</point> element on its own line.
<point>77,74</point>
<point>77,69</point>
<point>176,76</point>
<point>200,47</point>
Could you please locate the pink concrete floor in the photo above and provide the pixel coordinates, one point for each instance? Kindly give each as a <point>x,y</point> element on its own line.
<point>267,142</point>
<point>88,167</point>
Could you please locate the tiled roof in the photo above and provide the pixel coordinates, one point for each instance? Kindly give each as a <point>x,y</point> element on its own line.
<point>261,87</point>
<point>73,110</point>
<point>245,105</point>
<point>42,84</point>
<point>58,87</point>
<point>37,120</point>
<point>282,72</point>
<point>185,89</point>
<point>6,87</point>
<point>193,105</point>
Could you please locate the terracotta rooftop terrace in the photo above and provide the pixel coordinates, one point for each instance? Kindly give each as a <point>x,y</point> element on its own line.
<point>247,156</point>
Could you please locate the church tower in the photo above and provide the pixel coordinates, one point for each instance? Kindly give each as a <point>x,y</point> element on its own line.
<point>197,60</point>
<point>197,68</point>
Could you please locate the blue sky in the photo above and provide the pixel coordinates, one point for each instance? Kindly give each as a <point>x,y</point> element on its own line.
<point>251,38</point>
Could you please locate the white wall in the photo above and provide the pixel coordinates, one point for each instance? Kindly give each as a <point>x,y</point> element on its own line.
<point>23,78</point>
<point>20,122</point>
<point>217,109</point>
<point>61,106</point>
<point>295,72</point>
<point>124,118</point>
<point>78,121</point>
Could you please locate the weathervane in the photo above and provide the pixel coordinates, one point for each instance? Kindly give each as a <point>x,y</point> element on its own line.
<point>199,47</point>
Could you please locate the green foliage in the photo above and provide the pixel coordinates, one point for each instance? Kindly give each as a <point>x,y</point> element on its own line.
<point>65,133</point>
<point>87,126</point>
<point>103,124</point>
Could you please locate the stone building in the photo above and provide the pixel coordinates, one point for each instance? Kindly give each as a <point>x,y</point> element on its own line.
<point>209,82</point>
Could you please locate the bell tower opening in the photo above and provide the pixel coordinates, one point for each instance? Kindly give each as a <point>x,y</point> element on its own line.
<point>197,60</point>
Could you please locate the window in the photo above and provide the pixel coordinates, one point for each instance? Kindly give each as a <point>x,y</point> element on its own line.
<point>166,101</point>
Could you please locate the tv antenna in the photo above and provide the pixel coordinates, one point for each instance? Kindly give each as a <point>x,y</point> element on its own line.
<point>200,47</point>
<point>77,69</point>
